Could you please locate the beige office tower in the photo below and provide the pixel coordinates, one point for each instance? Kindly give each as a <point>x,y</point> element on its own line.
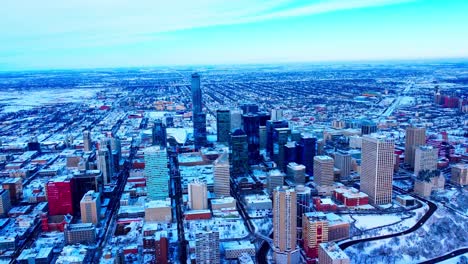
<point>197,195</point>
<point>377,168</point>
<point>323,170</point>
<point>284,224</point>
<point>459,174</point>
<point>90,206</point>
<point>425,158</point>
<point>415,136</point>
<point>222,187</point>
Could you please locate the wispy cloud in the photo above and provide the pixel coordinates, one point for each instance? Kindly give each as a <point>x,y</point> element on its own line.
<point>87,23</point>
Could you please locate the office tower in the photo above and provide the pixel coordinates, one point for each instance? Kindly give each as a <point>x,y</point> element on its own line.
<point>323,170</point>
<point>106,144</point>
<point>306,151</point>
<point>331,253</point>
<point>85,181</point>
<point>425,158</point>
<point>415,136</point>
<point>157,173</point>
<point>60,195</point>
<point>5,202</point>
<point>304,199</point>
<point>343,162</point>
<point>284,224</point>
<point>270,128</point>
<point>236,120</point>
<point>197,195</point>
<point>198,117</point>
<point>196,94</point>
<point>222,176</point>
<point>249,108</point>
<point>87,143</point>
<point>90,206</point>
<point>276,114</point>
<point>159,134</point>
<point>34,145</point>
<point>314,232</point>
<point>296,173</point>
<point>262,137</point>
<point>377,168</point>
<point>281,136</point>
<point>275,178</point>
<point>168,120</point>
<point>295,135</point>
<point>80,234</point>
<point>116,147</point>
<point>104,165</point>
<point>223,124</point>
<point>368,127</point>
<point>252,130</point>
<point>459,174</point>
<point>339,124</point>
<point>207,247</point>
<point>239,153</point>
<point>263,118</point>
<point>290,152</point>
<point>15,188</point>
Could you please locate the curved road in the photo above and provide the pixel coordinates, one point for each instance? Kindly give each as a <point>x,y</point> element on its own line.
<point>432,209</point>
<point>450,255</point>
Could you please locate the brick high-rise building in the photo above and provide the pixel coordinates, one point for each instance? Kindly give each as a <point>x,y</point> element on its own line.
<point>377,168</point>
<point>415,136</point>
<point>314,232</point>
<point>284,224</point>
<point>331,253</point>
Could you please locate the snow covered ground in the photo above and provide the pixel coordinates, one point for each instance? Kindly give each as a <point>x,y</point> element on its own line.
<point>442,233</point>
<point>263,225</point>
<point>456,260</point>
<point>365,222</point>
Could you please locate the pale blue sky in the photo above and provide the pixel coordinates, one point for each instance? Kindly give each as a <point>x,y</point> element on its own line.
<point>115,33</point>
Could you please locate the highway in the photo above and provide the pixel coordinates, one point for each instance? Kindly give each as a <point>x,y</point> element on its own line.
<point>429,213</point>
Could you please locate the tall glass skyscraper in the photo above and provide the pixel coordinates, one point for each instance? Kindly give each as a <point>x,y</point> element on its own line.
<point>223,125</point>
<point>306,151</point>
<point>198,117</point>
<point>159,134</point>
<point>252,130</point>
<point>239,153</point>
<point>157,173</point>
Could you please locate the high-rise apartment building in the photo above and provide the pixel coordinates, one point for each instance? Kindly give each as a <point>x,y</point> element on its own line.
<point>157,173</point>
<point>90,206</point>
<point>223,125</point>
<point>207,247</point>
<point>323,170</point>
<point>425,158</point>
<point>222,176</point>
<point>284,224</point>
<point>314,232</point>
<point>377,168</point>
<point>197,195</point>
<point>415,136</point>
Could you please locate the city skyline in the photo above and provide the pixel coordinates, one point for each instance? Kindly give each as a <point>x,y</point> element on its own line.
<point>121,34</point>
